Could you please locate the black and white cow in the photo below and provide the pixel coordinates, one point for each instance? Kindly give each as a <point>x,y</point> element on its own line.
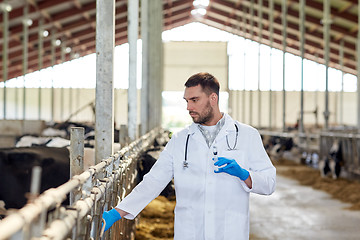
<point>145,163</point>
<point>332,163</point>
<point>89,150</point>
<point>16,166</point>
<point>63,129</point>
<point>31,141</point>
<point>276,146</point>
<point>66,126</point>
<point>50,153</point>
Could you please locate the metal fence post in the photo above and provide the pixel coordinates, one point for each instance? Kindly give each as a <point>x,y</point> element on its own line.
<point>76,157</point>
<point>76,166</point>
<point>123,135</point>
<point>36,228</point>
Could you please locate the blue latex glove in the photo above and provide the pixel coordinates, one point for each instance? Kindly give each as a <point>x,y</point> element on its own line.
<point>231,167</point>
<point>110,217</point>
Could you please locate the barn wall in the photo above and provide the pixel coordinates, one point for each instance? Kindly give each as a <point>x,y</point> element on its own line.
<point>80,99</point>
<point>311,100</point>
<point>183,59</point>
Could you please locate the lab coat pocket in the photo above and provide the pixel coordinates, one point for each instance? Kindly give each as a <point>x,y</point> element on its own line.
<point>236,226</point>
<point>184,225</point>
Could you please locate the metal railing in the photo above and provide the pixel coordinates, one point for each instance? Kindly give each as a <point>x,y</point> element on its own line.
<point>308,142</point>
<point>97,189</point>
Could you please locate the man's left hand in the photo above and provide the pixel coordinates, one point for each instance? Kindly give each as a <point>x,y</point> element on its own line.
<point>231,167</point>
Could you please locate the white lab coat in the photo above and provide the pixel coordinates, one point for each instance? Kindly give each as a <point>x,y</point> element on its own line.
<point>209,206</point>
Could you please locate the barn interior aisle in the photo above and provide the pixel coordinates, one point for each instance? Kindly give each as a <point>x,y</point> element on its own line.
<point>306,206</point>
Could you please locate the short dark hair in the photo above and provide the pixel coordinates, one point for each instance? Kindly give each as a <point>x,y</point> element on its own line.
<point>207,81</point>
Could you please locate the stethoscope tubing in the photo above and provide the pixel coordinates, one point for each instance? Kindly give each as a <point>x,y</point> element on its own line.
<point>186,164</point>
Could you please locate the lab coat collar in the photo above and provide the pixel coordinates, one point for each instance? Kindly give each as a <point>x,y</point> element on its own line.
<point>196,134</point>
<point>227,128</point>
<point>193,128</point>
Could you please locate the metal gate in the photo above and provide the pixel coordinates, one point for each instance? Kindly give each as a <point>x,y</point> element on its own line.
<point>95,190</point>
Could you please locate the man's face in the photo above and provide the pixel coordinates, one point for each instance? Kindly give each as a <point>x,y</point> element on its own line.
<point>198,104</point>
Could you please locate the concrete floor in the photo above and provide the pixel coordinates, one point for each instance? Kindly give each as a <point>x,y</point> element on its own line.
<point>299,212</point>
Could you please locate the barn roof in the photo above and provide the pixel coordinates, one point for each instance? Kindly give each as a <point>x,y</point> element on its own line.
<point>73,22</point>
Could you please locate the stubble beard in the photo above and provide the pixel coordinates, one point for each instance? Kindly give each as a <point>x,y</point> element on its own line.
<point>204,116</point>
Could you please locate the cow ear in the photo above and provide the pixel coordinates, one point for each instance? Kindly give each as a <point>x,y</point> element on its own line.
<point>47,162</point>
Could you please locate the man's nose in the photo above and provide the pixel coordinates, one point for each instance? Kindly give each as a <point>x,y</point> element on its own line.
<point>189,106</point>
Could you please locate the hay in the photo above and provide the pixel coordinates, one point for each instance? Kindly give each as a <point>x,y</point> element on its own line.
<point>157,220</point>
<point>342,189</point>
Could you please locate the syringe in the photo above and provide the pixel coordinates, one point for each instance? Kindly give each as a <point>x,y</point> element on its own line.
<point>215,152</point>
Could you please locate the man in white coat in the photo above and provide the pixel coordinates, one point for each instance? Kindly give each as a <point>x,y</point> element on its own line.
<point>216,163</point>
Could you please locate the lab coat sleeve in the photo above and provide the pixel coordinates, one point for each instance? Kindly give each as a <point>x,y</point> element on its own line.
<point>151,186</point>
<point>262,171</point>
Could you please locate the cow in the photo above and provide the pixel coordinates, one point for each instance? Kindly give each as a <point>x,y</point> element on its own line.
<point>89,151</point>
<point>333,161</point>
<point>63,129</point>
<point>31,140</point>
<point>50,153</point>
<point>66,126</point>
<point>16,166</point>
<point>278,147</point>
<point>162,139</point>
<point>268,142</point>
<point>145,163</point>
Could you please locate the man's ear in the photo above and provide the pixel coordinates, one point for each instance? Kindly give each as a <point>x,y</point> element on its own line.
<point>213,98</point>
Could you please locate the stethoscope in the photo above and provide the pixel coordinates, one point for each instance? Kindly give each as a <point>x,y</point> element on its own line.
<point>186,164</point>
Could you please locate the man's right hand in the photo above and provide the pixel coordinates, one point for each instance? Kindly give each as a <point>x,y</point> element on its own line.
<point>110,217</point>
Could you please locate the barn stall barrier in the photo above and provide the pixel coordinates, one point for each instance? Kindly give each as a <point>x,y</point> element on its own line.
<point>340,146</point>
<point>97,189</point>
<point>305,142</point>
